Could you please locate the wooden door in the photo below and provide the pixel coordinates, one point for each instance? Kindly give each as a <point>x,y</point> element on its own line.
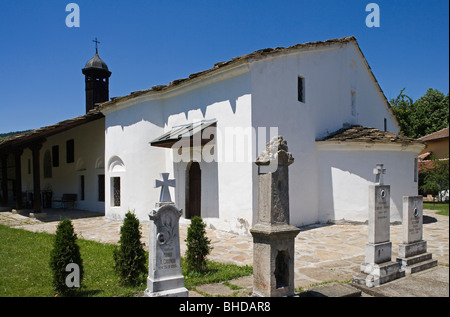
<point>194,190</point>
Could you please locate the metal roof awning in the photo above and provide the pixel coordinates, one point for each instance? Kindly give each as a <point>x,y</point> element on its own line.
<point>186,131</point>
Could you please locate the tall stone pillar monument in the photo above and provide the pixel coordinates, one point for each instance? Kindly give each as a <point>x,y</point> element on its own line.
<point>378,267</point>
<point>273,237</point>
<point>165,278</point>
<point>412,253</point>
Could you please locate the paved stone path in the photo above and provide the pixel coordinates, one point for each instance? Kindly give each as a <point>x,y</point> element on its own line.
<point>323,252</point>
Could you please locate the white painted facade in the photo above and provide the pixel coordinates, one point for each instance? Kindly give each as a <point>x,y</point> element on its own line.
<point>327,182</point>
<point>344,178</point>
<point>89,145</point>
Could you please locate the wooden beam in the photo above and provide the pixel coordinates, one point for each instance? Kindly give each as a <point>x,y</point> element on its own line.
<point>18,182</point>
<point>35,149</point>
<point>4,176</point>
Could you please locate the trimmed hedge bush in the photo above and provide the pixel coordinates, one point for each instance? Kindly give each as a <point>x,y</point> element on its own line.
<point>198,245</point>
<point>129,257</point>
<point>66,278</point>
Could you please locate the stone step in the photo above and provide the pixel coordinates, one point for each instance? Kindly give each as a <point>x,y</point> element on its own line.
<point>360,279</point>
<point>420,266</point>
<point>377,274</point>
<point>414,259</point>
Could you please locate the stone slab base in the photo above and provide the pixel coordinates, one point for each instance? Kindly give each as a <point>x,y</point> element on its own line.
<point>407,250</point>
<point>378,252</point>
<point>178,292</point>
<point>166,287</point>
<point>413,257</point>
<point>376,274</point>
<point>332,290</point>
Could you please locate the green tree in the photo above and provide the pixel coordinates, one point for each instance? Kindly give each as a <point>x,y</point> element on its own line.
<point>427,114</point>
<point>198,245</point>
<point>65,251</point>
<point>431,113</point>
<point>435,177</point>
<point>403,107</point>
<point>129,257</point>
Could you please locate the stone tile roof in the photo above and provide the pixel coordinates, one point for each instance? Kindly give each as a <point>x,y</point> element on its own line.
<point>441,134</point>
<point>259,54</point>
<point>36,134</point>
<point>252,56</point>
<point>359,133</point>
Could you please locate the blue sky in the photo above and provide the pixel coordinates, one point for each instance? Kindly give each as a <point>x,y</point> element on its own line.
<point>147,43</point>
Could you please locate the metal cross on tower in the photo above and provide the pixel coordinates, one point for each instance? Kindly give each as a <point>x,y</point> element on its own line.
<point>96,45</point>
<point>165,184</point>
<point>379,171</point>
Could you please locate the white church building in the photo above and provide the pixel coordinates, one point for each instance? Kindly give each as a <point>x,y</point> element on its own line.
<point>207,130</point>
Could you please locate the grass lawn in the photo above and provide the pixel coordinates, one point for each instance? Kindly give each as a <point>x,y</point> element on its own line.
<point>25,271</point>
<point>442,207</point>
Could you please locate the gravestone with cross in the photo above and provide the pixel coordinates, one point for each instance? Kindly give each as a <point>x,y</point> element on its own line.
<point>412,253</point>
<point>379,171</point>
<point>165,278</point>
<point>165,184</point>
<point>378,268</point>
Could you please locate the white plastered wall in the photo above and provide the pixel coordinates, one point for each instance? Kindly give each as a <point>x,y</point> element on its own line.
<point>226,186</point>
<point>346,171</point>
<point>65,179</point>
<point>330,75</point>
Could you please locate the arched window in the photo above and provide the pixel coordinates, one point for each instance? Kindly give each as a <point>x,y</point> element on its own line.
<point>81,165</point>
<point>116,168</point>
<point>116,165</point>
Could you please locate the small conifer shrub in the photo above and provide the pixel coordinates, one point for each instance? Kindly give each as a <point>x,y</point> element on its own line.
<point>129,256</point>
<point>66,251</point>
<point>198,245</point>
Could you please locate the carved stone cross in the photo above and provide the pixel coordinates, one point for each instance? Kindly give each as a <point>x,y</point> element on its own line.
<point>165,184</point>
<point>379,171</point>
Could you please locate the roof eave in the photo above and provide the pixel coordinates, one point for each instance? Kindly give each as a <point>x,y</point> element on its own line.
<point>335,145</point>
<point>28,137</point>
<point>218,67</point>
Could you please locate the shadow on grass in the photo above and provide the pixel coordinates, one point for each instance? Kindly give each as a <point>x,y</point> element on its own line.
<point>82,292</point>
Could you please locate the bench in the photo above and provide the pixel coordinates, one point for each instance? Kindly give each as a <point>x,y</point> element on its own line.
<point>67,199</point>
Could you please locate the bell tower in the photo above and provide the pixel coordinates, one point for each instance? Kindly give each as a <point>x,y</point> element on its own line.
<point>97,75</point>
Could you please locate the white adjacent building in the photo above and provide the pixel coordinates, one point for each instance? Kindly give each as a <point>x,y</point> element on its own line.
<point>207,130</point>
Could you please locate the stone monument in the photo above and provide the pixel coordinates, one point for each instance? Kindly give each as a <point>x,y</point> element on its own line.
<point>378,267</point>
<point>273,237</point>
<point>412,254</point>
<point>165,278</point>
